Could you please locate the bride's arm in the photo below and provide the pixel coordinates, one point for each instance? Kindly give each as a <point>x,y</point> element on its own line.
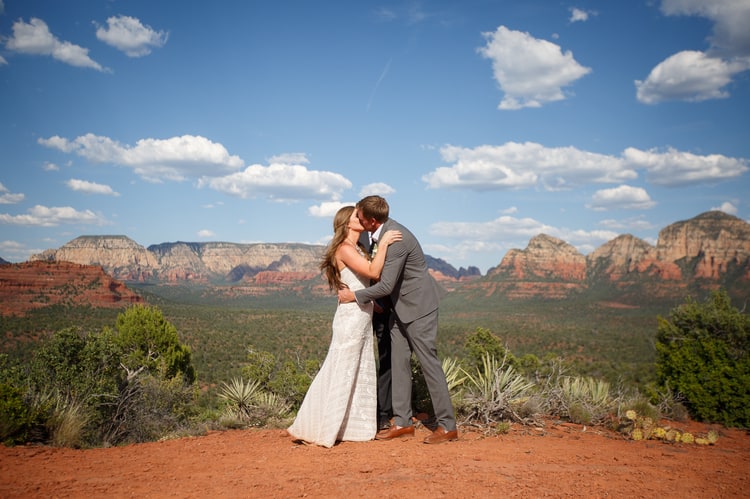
<point>350,257</point>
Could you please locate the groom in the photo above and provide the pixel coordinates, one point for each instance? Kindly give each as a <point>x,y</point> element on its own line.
<point>414,295</point>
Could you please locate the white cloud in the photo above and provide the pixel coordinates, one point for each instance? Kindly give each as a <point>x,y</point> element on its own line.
<point>727,207</point>
<point>731,18</point>
<point>502,228</point>
<point>690,76</point>
<point>176,158</point>
<point>90,187</point>
<point>531,72</point>
<point>507,232</point>
<point>35,38</point>
<point>627,225</point>
<point>517,166</point>
<point>127,34</point>
<point>50,167</point>
<point>206,233</point>
<point>376,189</point>
<point>290,158</point>
<point>578,15</point>
<point>676,168</point>
<point>531,165</point>
<point>621,197</point>
<point>327,209</point>
<point>280,182</point>
<point>3,62</point>
<point>695,76</point>
<point>43,216</point>
<point>7,197</point>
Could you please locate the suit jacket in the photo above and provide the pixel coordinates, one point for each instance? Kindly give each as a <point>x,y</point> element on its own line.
<point>404,278</point>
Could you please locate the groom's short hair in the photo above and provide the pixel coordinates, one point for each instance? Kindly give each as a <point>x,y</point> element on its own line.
<point>374,207</point>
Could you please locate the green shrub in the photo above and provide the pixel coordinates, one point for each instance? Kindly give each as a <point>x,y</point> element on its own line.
<point>149,340</point>
<point>16,418</point>
<point>703,353</point>
<point>482,342</point>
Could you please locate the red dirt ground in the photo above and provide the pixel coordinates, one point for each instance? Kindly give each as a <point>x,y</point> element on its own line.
<point>559,460</point>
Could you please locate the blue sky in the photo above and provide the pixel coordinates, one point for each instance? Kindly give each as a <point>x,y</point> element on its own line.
<point>484,123</point>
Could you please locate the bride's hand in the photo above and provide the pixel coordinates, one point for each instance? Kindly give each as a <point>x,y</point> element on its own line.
<point>390,236</point>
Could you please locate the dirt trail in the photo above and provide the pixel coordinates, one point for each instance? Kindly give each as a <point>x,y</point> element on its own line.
<point>560,460</point>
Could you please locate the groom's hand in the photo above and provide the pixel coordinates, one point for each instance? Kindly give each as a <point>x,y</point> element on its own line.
<point>346,295</point>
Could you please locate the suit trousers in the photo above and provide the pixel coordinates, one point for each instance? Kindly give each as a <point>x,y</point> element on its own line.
<point>420,337</point>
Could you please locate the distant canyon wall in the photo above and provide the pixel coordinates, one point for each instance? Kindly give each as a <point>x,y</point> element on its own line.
<point>709,251</point>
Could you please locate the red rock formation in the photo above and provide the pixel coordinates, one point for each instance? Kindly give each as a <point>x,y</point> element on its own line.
<point>30,285</point>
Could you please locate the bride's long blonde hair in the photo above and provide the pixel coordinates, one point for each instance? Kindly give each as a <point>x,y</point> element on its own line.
<point>329,265</point>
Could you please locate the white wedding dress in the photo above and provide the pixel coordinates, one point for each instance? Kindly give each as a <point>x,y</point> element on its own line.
<point>341,403</point>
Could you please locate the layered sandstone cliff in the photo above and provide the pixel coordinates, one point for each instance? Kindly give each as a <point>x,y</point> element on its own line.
<point>709,251</point>
<point>124,259</point>
<point>30,285</point>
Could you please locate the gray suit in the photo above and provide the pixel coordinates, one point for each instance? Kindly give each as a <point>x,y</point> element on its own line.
<point>414,295</point>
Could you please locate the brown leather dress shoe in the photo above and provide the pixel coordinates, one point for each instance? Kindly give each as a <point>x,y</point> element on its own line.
<point>441,435</point>
<point>395,432</point>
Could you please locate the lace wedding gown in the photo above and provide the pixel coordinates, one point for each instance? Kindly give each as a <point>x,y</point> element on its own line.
<point>341,403</point>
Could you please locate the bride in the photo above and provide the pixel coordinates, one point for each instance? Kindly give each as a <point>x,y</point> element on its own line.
<point>341,403</point>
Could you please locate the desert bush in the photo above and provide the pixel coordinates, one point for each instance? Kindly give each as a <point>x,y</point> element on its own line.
<point>148,408</point>
<point>16,418</point>
<point>148,339</point>
<point>496,392</point>
<point>247,404</point>
<point>483,342</point>
<point>582,400</point>
<point>67,422</point>
<point>703,353</point>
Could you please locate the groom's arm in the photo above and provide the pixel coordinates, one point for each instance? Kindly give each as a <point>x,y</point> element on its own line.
<point>395,260</point>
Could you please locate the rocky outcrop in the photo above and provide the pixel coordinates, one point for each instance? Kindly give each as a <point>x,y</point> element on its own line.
<point>30,285</point>
<point>709,251</point>
<point>124,259</point>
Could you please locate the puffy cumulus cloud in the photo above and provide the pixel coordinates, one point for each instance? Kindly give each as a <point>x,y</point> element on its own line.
<point>499,229</point>
<point>621,197</point>
<point>531,165</point>
<point>90,187</point>
<point>690,76</point>
<point>206,233</point>
<point>280,182</point>
<point>376,189</point>
<point>127,34</point>
<point>727,207</point>
<point>35,38</point>
<point>531,72</point>
<point>524,165</point>
<point>327,209</point>
<point>506,232</point>
<point>677,168</point>
<point>7,197</point>
<point>155,160</point>
<point>697,76</point>
<point>43,216</point>
<point>731,18</point>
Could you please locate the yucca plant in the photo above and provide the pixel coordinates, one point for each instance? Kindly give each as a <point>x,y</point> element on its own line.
<point>496,392</point>
<point>583,400</point>
<point>454,374</point>
<point>240,395</point>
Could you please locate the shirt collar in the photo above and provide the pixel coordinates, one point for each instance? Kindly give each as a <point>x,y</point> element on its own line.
<point>376,235</point>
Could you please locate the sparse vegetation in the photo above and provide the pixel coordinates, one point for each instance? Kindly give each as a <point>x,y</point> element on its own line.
<point>704,354</point>
<point>94,385</point>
